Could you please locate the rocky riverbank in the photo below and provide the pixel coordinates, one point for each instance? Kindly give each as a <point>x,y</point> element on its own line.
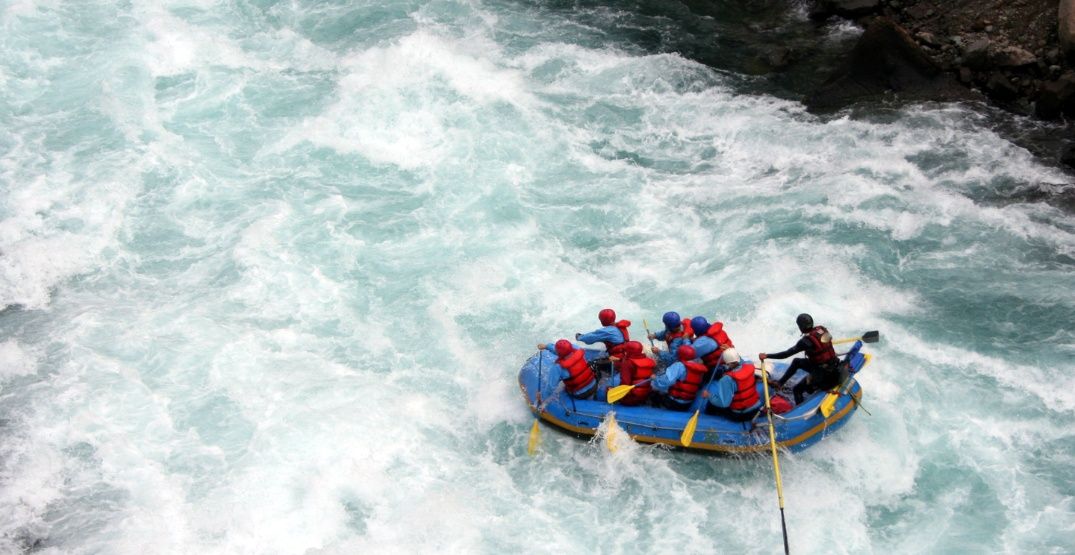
<point>1016,53</point>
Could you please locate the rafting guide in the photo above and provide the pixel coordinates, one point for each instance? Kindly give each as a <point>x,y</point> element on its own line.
<point>821,362</point>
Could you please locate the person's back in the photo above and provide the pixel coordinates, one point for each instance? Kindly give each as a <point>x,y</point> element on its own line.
<point>710,342</point>
<point>579,379</point>
<point>681,381</point>
<point>676,332</point>
<point>735,394</point>
<point>612,333</point>
<point>635,369</point>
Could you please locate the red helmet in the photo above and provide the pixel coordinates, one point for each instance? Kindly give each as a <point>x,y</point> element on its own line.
<point>607,316</point>
<point>685,353</point>
<point>563,347</point>
<point>634,348</point>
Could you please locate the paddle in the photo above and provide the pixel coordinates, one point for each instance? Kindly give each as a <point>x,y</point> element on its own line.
<point>688,432</point>
<point>535,430</point>
<point>828,404</point>
<point>620,391</point>
<point>776,460</point>
<point>868,337</point>
<point>610,433</point>
<point>645,325</point>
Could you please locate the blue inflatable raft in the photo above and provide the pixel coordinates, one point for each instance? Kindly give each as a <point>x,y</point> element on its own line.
<point>795,430</point>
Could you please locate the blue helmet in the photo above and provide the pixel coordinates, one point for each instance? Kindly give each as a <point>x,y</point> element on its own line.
<point>699,325</point>
<point>671,320</point>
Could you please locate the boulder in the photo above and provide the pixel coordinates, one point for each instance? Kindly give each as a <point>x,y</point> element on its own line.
<point>778,57</point>
<point>1066,27</point>
<point>1056,97</point>
<point>976,54</point>
<point>1001,88</point>
<point>1011,56</point>
<point>928,39</point>
<point>886,61</point>
<point>920,11</point>
<point>1068,157</point>
<point>850,9</point>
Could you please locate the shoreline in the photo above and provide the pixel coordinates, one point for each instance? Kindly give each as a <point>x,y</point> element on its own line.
<point>1011,52</point>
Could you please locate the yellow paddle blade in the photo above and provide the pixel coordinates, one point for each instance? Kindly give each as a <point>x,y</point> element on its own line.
<point>618,392</point>
<point>688,431</point>
<point>535,439</point>
<point>828,404</point>
<point>610,433</point>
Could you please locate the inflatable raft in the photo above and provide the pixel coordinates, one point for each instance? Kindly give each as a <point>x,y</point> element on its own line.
<point>795,430</point>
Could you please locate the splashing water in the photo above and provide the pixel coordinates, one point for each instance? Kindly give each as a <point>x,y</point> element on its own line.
<point>272,268</point>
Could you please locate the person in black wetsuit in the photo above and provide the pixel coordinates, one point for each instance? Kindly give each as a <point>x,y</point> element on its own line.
<point>821,362</point>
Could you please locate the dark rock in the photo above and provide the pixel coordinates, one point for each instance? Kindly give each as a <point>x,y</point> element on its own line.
<point>1000,87</point>
<point>850,9</point>
<point>1068,157</point>
<point>919,11</point>
<point>1056,97</point>
<point>1066,27</point>
<point>1010,56</point>
<point>965,75</point>
<point>976,54</point>
<point>779,57</point>
<point>927,38</point>
<point>886,60</point>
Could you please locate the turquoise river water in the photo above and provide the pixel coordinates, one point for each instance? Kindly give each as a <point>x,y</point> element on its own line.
<point>271,268</point>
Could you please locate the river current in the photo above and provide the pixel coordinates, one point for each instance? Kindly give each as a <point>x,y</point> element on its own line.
<point>271,269</point>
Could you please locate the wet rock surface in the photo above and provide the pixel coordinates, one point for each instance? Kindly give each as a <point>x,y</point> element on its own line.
<point>887,63</point>
<point>1017,54</point>
<point>1008,50</point>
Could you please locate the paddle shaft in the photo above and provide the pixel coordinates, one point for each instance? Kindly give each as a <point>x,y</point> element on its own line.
<point>776,459</point>
<point>645,325</point>
<point>535,431</point>
<point>871,336</point>
<point>688,432</point>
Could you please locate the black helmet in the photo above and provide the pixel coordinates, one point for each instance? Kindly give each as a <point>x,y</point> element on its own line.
<point>804,321</point>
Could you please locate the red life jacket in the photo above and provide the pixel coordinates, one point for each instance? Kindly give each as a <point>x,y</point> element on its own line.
<point>617,349</point>
<point>820,352</point>
<point>633,371</point>
<point>580,373</point>
<point>717,334</point>
<point>670,336</point>
<point>746,392</point>
<point>687,388</point>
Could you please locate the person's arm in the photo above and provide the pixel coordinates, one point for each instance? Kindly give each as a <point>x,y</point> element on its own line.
<point>721,392</point>
<point>704,345</point>
<point>660,335</point>
<point>798,347</point>
<point>551,347</point>
<point>671,375</point>
<point>607,333</point>
<point>726,393</point>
